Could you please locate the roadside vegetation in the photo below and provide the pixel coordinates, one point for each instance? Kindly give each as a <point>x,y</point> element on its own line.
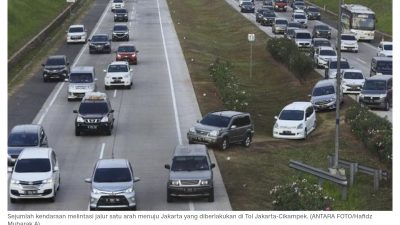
<point>383,10</point>
<point>26,18</point>
<point>209,30</point>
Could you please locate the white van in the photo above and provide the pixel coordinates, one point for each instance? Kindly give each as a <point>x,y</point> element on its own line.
<point>81,80</point>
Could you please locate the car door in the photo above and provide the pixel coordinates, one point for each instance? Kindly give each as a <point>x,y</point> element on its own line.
<point>309,118</point>
<point>56,170</point>
<point>234,130</point>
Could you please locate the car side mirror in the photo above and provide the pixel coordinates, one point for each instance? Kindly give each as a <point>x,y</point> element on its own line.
<point>131,70</point>
<point>136,179</point>
<point>105,71</point>
<point>66,80</point>
<point>112,110</point>
<point>212,165</point>
<point>167,166</point>
<point>275,117</point>
<point>233,126</point>
<point>56,169</point>
<point>88,180</point>
<point>75,111</point>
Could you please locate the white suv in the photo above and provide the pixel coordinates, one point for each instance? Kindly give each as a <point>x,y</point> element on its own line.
<point>36,175</point>
<point>295,121</point>
<point>348,43</point>
<point>118,74</point>
<point>76,33</point>
<point>117,4</point>
<point>385,49</point>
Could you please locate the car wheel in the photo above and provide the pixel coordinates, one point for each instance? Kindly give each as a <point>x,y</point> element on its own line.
<point>225,144</point>
<point>108,131</point>
<point>387,105</point>
<point>247,141</point>
<point>129,86</point>
<point>77,132</point>
<point>211,196</point>
<point>169,197</point>
<point>305,134</point>
<point>13,200</point>
<point>59,183</point>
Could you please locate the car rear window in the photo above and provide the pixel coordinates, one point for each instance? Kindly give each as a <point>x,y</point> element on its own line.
<point>32,166</point>
<point>80,78</point>
<point>126,49</point>
<point>23,139</point>
<point>215,120</point>
<point>326,90</point>
<point>291,115</point>
<point>108,175</point>
<point>189,163</point>
<point>93,108</point>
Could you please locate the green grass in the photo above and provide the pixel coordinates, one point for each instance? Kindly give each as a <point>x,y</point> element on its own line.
<point>211,29</point>
<point>26,18</point>
<point>382,9</point>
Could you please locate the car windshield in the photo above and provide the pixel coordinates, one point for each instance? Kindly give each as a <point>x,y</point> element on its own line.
<point>349,38</point>
<point>291,115</point>
<point>117,1</point>
<point>32,166</point>
<point>327,52</point>
<point>269,14</point>
<point>189,163</point>
<point>126,49</point>
<point>108,175</point>
<point>353,75</point>
<point>247,3</point>
<point>299,4</point>
<point>80,78</point>
<point>312,9</point>
<point>285,22</point>
<point>23,139</point>
<point>75,30</point>
<point>299,16</point>
<point>215,120</point>
<point>343,65</point>
<point>99,38</point>
<point>388,47</point>
<point>55,61</point>
<point>93,108</point>
<point>120,28</point>
<point>118,68</point>
<point>375,85</point>
<point>303,35</point>
<point>384,66</point>
<point>322,28</point>
<point>281,1</point>
<point>121,11</point>
<point>326,90</point>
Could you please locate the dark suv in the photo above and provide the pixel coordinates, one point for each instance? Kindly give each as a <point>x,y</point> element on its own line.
<point>121,15</point>
<point>120,33</point>
<point>99,43</point>
<point>190,174</point>
<point>94,114</point>
<point>377,92</point>
<point>223,128</point>
<point>56,67</point>
<point>22,136</point>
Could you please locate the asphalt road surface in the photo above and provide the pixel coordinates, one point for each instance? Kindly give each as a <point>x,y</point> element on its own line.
<point>360,60</point>
<point>151,118</point>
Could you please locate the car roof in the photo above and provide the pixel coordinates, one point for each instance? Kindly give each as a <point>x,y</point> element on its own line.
<point>382,58</point>
<point>95,96</point>
<point>386,42</point>
<point>191,150</point>
<point>352,70</point>
<point>228,113</point>
<point>380,77</point>
<point>335,60</point>
<point>302,31</point>
<point>325,82</point>
<point>82,69</point>
<point>120,24</point>
<point>35,153</point>
<point>119,63</point>
<point>348,34</point>
<point>26,128</point>
<point>76,25</point>
<point>57,57</point>
<point>297,106</point>
<point>100,35</point>
<point>325,48</point>
<point>280,18</point>
<point>320,39</point>
<point>112,163</point>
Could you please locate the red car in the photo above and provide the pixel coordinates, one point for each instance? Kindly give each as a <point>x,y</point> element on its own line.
<point>127,53</point>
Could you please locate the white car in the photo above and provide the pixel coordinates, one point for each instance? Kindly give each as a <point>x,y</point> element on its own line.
<point>302,38</point>
<point>118,74</point>
<point>348,43</point>
<point>301,18</point>
<point>322,55</point>
<point>352,81</point>
<point>385,49</point>
<point>117,4</point>
<point>295,121</point>
<point>36,174</point>
<point>76,33</point>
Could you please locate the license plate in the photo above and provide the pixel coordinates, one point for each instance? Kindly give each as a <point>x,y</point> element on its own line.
<point>31,192</point>
<point>189,189</point>
<point>286,132</point>
<point>92,127</point>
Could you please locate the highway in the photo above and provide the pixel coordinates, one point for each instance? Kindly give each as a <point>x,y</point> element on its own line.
<point>151,119</point>
<point>360,60</point>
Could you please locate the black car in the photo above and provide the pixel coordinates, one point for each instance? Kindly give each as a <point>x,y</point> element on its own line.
<point>268,18</point>
<point>94,114</point>
<point>120,33</point>
<point>56,67</point>
<point>99,43</point>
<point>247,7</point>
<point>259,14</point>
<point>121,15</point>
<point>321,31</point>
<point>313,13</point>
<point>22,136</point>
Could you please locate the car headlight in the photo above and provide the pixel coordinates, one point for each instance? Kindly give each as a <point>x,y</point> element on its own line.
<point>204,182</point>
<point>214,133</point>
<point>96,191</point>
<point>14,181</point>
<point>300,126</point>
<point>174,182</point>
<point>107,44</point>
<point>192,130</point>
<point>382,96</point>
<point>129,190</point>
<point>276,125</point>
<point>126,76</point>
<point>318,32</point>
<point>79,119</point>
<point>47,181</point>
<point>104,119</point>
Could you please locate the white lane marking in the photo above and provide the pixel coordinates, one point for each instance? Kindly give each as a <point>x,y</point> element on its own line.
<point>103,145</point>
<point>362,61</point>
<point>191,206</point>
<point>115,93</point>
<point>75,61</point>
<point>178,128</point>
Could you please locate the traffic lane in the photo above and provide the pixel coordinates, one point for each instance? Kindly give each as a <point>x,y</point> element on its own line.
<point>28,99</point>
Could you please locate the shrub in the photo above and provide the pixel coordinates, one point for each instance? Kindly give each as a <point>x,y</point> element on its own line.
<point>233,95</point>
<point>300,195</point>
<point>375,132</point>
<point>286,51</point>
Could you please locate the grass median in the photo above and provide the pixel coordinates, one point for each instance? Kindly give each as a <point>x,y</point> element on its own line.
<point>211,29</point>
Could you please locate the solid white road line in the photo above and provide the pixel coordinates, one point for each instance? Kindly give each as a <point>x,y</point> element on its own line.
<point>103,145</point>
<point>362,61</point>
<point>178,128</point>
<point>51,103</point>
<point>115,93</point>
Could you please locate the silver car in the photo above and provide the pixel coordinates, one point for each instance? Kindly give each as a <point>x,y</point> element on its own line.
<point>81,80</point>
<point>112,185</point>
<point>279,25</point>
<point>323,96</point>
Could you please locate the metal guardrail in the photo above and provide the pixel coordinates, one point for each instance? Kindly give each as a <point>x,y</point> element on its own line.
<point>340,180</point>
<point>355,167</point>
